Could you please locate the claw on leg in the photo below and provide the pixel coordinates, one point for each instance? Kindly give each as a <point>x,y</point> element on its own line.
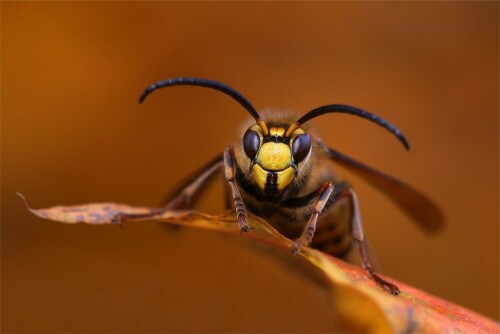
<point>243,224</point>
<point>244,228</point>
<point>394,290</point>
<point>117,219</point>
<point>306,237</point>
<point>121,216</point>
<point>296,247</point>
<point>389,287</point>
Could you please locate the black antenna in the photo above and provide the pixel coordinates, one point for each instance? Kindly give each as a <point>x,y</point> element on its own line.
<point>210,84</point>
<point>340,108</point>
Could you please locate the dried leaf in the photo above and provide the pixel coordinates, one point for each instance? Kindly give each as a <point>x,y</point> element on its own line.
<point>360,305</point>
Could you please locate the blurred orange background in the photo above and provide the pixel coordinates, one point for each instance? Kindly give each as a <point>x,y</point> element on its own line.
<point>72,132</point>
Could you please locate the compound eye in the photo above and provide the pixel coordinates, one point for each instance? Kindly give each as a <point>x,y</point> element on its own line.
<point>301,147</point>
<point>251,143</point>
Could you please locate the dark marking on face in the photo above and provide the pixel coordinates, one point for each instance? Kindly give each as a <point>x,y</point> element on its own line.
<point>276,139</point>
<point>271,186</point>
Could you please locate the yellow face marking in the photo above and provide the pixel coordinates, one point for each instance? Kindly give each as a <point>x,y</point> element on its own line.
<point>274,156</point>
<point>285,177</point>
<point>257,129</point>
<point>297,132</point>
<point>260,176</point>
<point>277,131</point>
<point>283,180</point>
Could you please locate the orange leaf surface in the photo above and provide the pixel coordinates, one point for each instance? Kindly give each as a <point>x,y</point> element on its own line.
<point>358,303</point>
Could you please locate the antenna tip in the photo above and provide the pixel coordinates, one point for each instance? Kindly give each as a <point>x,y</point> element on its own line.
<point>143,96</point>
<point>147,91</point>
<point>405,142</point>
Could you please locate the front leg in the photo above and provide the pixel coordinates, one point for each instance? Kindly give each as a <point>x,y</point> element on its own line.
<point>324,193</point>
<point>241,212</point>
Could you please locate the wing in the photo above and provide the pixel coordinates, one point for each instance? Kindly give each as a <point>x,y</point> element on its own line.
<point>417,205</point>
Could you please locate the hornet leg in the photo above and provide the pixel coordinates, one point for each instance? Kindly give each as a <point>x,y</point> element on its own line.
<point>324,194</point>
<point>358,235</point>
<point>241,212</point>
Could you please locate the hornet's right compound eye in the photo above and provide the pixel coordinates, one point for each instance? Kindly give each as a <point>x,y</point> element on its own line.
<point>251,143</point>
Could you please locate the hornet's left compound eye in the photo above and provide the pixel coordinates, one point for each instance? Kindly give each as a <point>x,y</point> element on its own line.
<point>301,147</point>
<point>251,143</point>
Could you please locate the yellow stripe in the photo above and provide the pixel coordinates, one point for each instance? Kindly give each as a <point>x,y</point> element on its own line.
<point>285,177</point>
<point>260,176</point>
